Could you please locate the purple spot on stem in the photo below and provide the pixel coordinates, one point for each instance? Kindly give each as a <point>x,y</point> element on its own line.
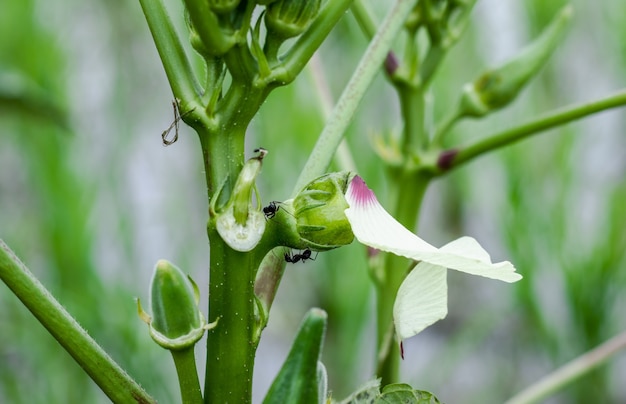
<point>446,158</point>
<point>391,63</point>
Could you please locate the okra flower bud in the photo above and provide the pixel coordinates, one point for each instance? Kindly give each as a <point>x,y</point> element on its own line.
<point>335,208</point>
<point>319,212</point>
<point>223,6</point>
<point>315,218</point>
<point>289,18</point>
<point>240,224</point>
<point>498,87</point>
<point>176,321</point>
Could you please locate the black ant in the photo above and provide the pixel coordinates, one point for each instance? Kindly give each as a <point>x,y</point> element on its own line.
<point>262,152</point>
<point>306,255</point>
<point>270,210</point>
<point>174,125</point>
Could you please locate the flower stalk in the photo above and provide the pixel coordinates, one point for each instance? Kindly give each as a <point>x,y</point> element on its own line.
<point>102,369</point>
<point>459,156</point>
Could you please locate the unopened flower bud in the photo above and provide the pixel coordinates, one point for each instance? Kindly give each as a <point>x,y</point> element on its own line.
<point>289,18</point>
<point>319,212</point>
<point>223,6</point>
<point>496,88</point>
<point>176,321</point>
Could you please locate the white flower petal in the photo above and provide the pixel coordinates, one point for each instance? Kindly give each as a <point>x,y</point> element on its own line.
<point>421,301</point>
<point>374,227</point>
<point>465,254</point>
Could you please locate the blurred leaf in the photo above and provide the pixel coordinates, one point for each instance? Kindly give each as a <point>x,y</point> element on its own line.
<point>403,393</point>
<point>365,394</point>
<point>393,393</point>
<point>20,94</point>
<point>299,379</point>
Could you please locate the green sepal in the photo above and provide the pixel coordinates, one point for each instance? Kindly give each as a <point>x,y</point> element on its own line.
<point>315,218</point>
<point>319,212</point>
<point>240,224</point>
<point>302,377</point>
<point>257,50</point>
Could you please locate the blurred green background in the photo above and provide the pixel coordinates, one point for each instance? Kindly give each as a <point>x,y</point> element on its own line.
<point>90,200</point>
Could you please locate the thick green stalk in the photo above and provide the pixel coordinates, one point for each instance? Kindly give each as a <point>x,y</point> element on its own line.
<point>344,110</point>
<point>107,374</point>
<point>550,120</point>
<point>223,156</point>
<point>177,67</point>
<point>231,344</point>
<point>185,362</point>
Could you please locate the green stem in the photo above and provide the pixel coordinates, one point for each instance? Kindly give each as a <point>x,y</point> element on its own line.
<point>432,60</point>
<point>208,27</point>
<point>570,372</point>
<point>543,123</point>
<point>364,18</point>
<point>344,110</point>
<point>231,345</point>
<point>412,107</point>
<point>343,155</point>
<point>223,159</point>
<point>306,45</point>
<point>445,126</point>
<point>440,47</point>
<point>179,72</point>
<point>239,105</point>
<point>185,362</point>
<point>107,374</point>
<point>241,65</point>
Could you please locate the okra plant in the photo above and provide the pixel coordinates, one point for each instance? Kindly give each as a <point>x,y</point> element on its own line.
<point>248,48</point>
